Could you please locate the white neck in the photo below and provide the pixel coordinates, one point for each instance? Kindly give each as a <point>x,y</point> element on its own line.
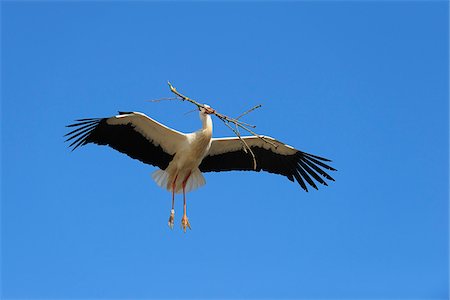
<point>206,122</point>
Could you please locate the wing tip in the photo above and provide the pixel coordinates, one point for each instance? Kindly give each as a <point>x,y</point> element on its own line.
<point>83,129</point>
<point>308,166</point>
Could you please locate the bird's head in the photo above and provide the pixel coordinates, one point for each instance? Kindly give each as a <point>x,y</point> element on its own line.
<point>206,109</point>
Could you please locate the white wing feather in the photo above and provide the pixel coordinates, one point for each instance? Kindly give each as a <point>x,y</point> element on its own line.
<point>231,144</point>
<point>167,138</point>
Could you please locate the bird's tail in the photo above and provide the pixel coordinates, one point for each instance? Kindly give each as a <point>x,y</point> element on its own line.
<point>195,181</point>
<point>161,178</point>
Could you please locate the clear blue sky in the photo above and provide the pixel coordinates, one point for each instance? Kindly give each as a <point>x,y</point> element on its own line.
<point>363,83</point>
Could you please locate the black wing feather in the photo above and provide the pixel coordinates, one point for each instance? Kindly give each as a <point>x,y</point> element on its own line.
<point>123,138</point>
<point>312,173</point>
<point>301,166</point>
<point>318,170</point>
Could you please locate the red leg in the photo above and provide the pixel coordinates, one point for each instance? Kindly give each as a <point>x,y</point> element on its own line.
<point>184,202</point>
<point>173,194</point>
<point>172,212</point>
<point>184,221</point>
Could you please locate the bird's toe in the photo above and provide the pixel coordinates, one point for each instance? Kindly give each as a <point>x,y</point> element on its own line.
<point>185,223</point>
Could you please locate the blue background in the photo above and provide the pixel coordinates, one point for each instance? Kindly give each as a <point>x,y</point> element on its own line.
<point>363,83</point>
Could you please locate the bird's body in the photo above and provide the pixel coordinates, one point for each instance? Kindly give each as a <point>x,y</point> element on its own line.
<point>184,166</point>
<point>182,158</point>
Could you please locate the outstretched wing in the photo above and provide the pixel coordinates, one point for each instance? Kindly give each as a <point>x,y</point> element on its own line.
<point>134,134</point>
<point>227,154</point>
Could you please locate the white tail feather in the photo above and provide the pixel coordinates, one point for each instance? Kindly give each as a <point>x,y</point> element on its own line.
<point>195,181</point>
<point>160,177</point>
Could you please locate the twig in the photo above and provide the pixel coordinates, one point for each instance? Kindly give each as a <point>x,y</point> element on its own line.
<point>191,111</point>
<point>183,97</point>
<point>246,147</point>
<point>246,124</point>
<point>249,111</point>
<point>227,120</point>
<point>163,99</point>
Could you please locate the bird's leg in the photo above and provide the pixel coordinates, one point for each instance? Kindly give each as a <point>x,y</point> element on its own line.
<point>184,221</point>
<point>172,212</point>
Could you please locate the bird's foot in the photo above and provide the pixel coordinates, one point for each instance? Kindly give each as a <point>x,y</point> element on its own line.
<point>171,218</point>
<point>185,223</point>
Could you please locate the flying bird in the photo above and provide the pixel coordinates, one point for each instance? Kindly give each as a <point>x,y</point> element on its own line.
<point>183,157</point>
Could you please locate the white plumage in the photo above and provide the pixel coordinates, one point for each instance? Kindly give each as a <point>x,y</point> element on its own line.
<point>182,158</point>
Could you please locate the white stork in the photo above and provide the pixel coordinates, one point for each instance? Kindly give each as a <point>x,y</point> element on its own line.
<point>181,158</point>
